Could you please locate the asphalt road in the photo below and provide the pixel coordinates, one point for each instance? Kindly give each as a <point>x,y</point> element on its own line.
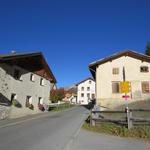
<point>60,131</point>
<point>51,132</point>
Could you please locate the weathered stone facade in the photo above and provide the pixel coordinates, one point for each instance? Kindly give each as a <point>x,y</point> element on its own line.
<point>23,89</point>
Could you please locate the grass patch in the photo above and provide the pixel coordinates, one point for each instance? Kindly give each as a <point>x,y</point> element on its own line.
<point>62,107</point>
<point>139,131</point>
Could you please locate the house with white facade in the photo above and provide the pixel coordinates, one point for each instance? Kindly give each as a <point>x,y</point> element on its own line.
<point>85,91</point>
<point>25,84</point>
<point>70,97</point>
<point>124,66</point>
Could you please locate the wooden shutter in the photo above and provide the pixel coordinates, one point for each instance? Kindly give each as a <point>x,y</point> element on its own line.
<point>145,87</point>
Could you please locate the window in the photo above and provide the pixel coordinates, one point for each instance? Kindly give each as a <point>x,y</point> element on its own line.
<point>17,75</point>
<point>115,71</point>
<point>40,100</point>
<point>28,101</point>
<point>82,88</point>
<point>42,81</point>
<point>13,97</point>
<point>144,69</point>
<point>82,94</point>
<point>88,95</point>
<point>90,81</point>
<point>145,87</point>
<point>88,88</point>
<point>93,96</point>
<point>32,77</point>
<point>115,87</point>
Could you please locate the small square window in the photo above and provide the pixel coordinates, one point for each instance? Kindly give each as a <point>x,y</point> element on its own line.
<point>115,87</point>
<point>28,101</point>
<point>42,81</point>
<point>82,88</point>
<point>40,100</point>
<point>32,77</point>
<point>115,71</point>
<point>82,94</point>
<point>93,96</point>
<point>144,69</point>
<point>88,88</point>
<point>17,74</point>
<point>13,97</point>
<point>145,87</point>
<point>90,81</point>
<point>88,95</point>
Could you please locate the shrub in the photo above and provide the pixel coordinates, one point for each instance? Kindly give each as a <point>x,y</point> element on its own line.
<point>41,107</point>
<point>16,103</point>
<point>31,106</point>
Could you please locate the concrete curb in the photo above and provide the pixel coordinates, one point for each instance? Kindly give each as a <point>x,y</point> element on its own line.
<point>70,142</point>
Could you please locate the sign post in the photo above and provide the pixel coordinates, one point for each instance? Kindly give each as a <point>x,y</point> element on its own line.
<point>125,88</point>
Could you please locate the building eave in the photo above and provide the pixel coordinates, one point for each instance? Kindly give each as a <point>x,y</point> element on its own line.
<point>89,78</point>
<point>18,57</point>
<point>131,53</point>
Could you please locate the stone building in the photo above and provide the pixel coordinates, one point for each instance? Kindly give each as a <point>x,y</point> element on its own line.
<point>25,82</point>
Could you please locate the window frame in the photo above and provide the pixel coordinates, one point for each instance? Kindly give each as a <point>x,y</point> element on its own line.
<point>40,99</point>
<point>88,88</point>
<point>93,95</point>
<point>144,90</point>
<point>115,91</point>
<point>17,74</point>
<point>82,94</point>
<point>13,97</point>
<point>32,77</point>
<point>88,95</point>
<point>115,71</point>
<point>142,70</point>
<point>28,100</point>
<point>82,88</point>
<point>42,81</point>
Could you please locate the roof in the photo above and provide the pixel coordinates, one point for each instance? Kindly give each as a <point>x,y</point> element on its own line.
<point>15,54</point>
<point>89,78</point>
<point>34,56</point>
<point>131,53</point>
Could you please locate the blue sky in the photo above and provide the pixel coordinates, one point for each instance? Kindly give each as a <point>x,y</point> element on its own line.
<point>73,33</point>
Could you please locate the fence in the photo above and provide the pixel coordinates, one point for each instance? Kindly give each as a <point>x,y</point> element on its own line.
<point>129,120</point>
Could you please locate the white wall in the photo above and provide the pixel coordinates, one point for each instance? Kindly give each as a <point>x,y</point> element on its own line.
<point>84,100</point>
<point>23,88</point>
<point>104,78</point>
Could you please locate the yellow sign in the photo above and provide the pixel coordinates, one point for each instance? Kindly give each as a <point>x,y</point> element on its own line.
<point>125,87</point>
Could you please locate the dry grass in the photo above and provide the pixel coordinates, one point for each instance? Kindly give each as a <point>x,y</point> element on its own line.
<point>138,132</point>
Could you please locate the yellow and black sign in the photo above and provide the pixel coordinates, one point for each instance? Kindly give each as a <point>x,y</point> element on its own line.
<point>125,87</point>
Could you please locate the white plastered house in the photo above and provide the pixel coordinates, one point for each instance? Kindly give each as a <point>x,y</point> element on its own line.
<point>85,91</point>
<point>27,78</point>
<point>112,70</point>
